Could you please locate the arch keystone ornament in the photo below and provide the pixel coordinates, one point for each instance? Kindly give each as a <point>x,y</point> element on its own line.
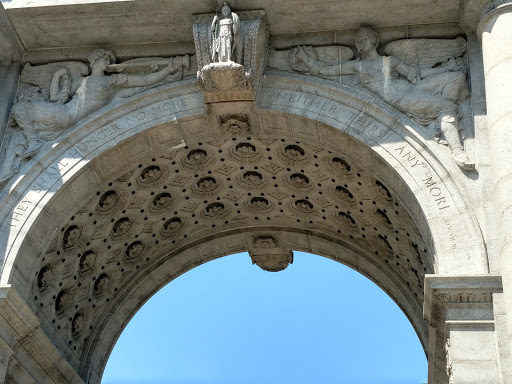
<point>361,145</point>
<point>270,252</point>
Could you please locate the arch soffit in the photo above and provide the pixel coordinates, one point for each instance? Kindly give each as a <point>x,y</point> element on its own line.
<point>85,159</point>
<point>107,332</point>
<point>177,116</point>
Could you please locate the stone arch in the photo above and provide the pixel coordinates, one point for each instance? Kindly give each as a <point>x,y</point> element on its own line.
<point>146,142</point>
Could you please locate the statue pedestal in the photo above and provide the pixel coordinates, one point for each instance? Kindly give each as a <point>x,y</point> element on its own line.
<point>226,81</point>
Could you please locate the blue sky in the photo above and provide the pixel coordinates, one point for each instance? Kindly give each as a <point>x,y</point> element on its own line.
<point>230,322</point>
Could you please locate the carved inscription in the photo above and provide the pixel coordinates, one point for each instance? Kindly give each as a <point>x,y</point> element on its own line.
<point>410,159</point>
<point>327,107</point>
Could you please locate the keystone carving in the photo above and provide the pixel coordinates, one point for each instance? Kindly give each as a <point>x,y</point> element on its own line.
<point>234,125</point>
<point>54,97</point>
<point>423,78</point>
<point>268,255</point>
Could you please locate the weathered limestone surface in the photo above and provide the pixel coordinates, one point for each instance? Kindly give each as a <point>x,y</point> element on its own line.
<point>495,32</point>
<point>169,135</point>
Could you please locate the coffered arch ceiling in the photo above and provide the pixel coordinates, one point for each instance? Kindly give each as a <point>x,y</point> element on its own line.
<point>277,181</point>
<point>167,214</point>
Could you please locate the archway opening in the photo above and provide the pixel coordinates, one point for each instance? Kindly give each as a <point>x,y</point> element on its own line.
<point>227,321</point>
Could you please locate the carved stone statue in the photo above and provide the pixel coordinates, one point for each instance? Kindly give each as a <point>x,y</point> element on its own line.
<point>225,32</point>
<point>424,93</point>
<point>63,96</point>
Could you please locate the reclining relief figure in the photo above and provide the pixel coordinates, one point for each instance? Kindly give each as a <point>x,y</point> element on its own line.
<point>425,94</point>
<point>54,97</point>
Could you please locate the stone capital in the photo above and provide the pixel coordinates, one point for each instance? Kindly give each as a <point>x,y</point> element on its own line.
<point>459,298</point>
<point>26,336</point>
<point>474,13</point>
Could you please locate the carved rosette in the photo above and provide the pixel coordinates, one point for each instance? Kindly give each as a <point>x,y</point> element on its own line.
<point>234,125</point>
<point>161,201</point>
<point>151,177</point>
<point>293,154</point>
<point>173,227</point>
<point>257,188</point>
<point>252,180</point>
<point>245,153</point>
<point>197,159</point>
<point>259,204</point>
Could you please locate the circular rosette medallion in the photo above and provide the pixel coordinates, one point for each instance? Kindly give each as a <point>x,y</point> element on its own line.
<point>303,207</point>
<point>151,176</point>
<point>207,186</point>
<point>342,194</point>
<point>133,252</point>
<point>252,180</point>
<point>259,204</point>
<point>293,154</point>
<point>216,211</point>
<point>197,159</point>
<point>161,201</point>
<point>245,153</point>
<point>173,226</point>
<point>299,183</point>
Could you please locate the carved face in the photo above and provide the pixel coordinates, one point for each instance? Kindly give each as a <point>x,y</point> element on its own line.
<point>226,11</point>
<point>366,40</point>
<point>101,64</point>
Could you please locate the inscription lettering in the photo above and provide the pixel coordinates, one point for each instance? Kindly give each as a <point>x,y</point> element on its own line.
<point>407,157</point>
<point>451,234</point>
<point>97,138</point>
<point>369,126</point>
<point>413,161</point>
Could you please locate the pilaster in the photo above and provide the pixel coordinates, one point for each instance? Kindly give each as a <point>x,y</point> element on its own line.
<point>463,346</point>
<point>26,353</point>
